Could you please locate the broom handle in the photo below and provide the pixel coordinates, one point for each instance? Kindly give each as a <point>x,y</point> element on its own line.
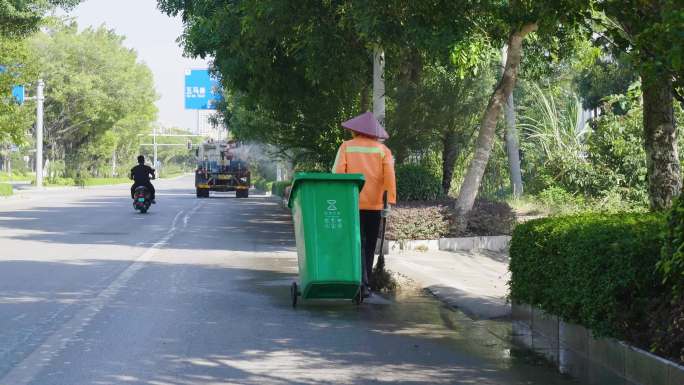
<point>381,257</point>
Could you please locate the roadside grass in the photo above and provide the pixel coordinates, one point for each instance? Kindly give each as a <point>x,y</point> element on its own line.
<point>68,182</point>
<point>105,181</point>
<point>6,189</point>
<point>15,177</point>
<point>531,206</point>
<point>90,182</point>
<point>169,175</point>
<point>56,182</point>
<point>528,206</point>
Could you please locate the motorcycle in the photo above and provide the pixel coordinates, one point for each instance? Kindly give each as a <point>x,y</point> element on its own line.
<point>141,199</point>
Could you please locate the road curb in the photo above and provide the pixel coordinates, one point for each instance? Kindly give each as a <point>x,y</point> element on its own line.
<point>496,243</point>
<point>578,353</point>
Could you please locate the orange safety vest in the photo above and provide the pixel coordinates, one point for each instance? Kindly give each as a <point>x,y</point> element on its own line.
<point>367,156</point>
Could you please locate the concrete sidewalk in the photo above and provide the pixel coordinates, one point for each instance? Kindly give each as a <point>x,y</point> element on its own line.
<point>476,282</point>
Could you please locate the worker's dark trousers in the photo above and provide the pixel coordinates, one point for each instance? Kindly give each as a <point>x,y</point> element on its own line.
<point>149,186</point>
<point>370,228</point>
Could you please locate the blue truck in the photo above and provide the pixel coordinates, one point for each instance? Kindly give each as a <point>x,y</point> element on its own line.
<point>218,169</point>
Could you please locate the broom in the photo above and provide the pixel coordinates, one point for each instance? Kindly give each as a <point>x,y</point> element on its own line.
<point>379,271</point>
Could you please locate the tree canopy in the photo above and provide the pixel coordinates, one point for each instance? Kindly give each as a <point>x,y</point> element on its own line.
<point>19,71</point>
<point>22,17</point>
<point>300,65</point>
<point>98,96</point>
<point>292,71</point>
<point>651,32</point>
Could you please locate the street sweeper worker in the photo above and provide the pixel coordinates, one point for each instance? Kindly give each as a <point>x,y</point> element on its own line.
<point>365,154</point>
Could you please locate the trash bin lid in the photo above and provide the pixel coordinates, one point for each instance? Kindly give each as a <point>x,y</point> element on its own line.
<point>321,176</point>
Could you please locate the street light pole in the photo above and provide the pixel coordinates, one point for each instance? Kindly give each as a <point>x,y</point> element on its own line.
<point>154,136</point>
<point>40,99</point>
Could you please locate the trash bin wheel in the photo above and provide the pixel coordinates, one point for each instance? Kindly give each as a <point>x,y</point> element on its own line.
<point>358,298</point>
<point>294,293</point>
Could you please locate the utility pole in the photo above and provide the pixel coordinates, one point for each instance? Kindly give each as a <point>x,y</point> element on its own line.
<point>40,99</point>
<point>154,136</point>
<point>9,164</point>
<point>379,84</point>
<point>114,164</point>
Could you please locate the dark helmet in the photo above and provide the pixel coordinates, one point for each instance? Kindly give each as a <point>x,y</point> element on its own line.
<point>141,159</point>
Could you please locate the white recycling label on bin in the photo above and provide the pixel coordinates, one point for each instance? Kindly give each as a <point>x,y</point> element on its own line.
<point>333,217</point>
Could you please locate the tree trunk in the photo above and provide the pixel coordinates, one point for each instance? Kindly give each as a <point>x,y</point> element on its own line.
<point>512,147</point>
<point>485,138</point>
<point>660,139</point>
<point>449,155</point>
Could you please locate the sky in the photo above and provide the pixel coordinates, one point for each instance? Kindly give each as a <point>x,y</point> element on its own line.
<point>153,35</point>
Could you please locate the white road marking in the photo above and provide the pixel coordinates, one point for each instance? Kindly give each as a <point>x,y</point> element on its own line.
<point>192,212</point>
<point>19,317</point>
<point>24,372</point>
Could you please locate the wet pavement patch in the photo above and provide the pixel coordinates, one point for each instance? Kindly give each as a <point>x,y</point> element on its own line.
<point>103,233</point>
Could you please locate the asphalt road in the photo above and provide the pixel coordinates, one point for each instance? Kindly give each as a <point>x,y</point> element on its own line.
<point>197,292</point>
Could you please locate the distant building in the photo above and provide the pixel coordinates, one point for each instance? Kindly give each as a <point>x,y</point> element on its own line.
<point>205,127</point>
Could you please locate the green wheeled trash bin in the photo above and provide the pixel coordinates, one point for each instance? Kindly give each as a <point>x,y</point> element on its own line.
<point>325,210</point>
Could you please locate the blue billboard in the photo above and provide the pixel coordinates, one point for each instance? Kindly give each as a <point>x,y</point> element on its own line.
<point>18,92</point>
<point>202,91</point>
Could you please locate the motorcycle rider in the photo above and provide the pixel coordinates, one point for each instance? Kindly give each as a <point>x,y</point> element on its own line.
<point>141,177</point>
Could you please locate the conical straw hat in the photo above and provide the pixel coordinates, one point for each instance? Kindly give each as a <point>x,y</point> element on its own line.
<point>366,124</point>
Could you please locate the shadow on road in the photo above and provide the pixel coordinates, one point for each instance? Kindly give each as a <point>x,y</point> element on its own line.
<point>214,305</point>
<point>250,224</point>
<point>200,324</point>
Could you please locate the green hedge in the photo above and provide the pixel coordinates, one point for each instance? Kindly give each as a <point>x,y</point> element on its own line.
<point>417,183</point>
<point>263,185</point>
<point>278,188</point>
<point>672,264</point>
<point>597,270</point>
<point>668,321</point>
<point>6,189</point>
